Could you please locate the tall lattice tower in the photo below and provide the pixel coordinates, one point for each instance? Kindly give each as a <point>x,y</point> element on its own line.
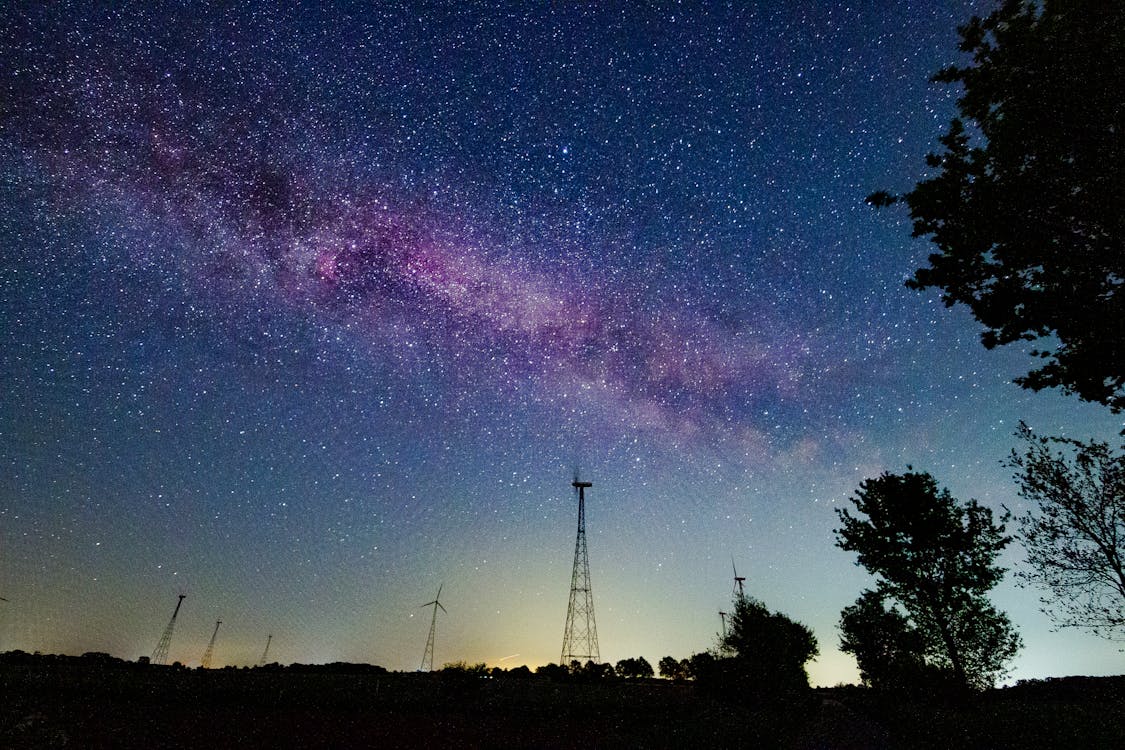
<point>266,653</point>
<point>160,655</point>
<point>206,662</point>
<point>580,638</point>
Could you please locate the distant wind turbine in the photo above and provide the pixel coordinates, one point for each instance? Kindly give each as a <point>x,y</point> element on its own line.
<point>738,581</point>
<point>428,655</point>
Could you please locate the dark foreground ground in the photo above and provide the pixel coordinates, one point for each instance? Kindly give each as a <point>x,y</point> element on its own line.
<point>71,704</point>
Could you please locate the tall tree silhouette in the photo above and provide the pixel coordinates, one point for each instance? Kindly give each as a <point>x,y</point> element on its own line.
<point>768,651</point>
<point>1026,202</point>
<point>935,557</point>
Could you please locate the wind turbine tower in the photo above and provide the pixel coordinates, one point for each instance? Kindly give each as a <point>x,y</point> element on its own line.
<point>206,662</point>
<point>266,653</point>
<point>160,655</point>
<point>580,638</point>
<point>428,654</point>
<point>739,588</point>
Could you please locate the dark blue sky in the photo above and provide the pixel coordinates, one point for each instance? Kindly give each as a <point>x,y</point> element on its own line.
<point>306,312</point>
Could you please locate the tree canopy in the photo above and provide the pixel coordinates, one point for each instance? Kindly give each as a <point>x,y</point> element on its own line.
<point>935,558</point>
<point>637,667</point>
<point>1074,531</point>
<point>767,652</point>
<point>672,668</point>
<point>1026,200</point>
<point>887,648</point>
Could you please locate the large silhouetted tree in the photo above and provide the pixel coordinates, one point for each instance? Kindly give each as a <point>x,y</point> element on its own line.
<point>1074,532</point>
<point>672,668</point>
<point>1025,200</point>
<point>769,652</point>
<point>934,557</point>
<point>634,668</point>
<point>700,666</point>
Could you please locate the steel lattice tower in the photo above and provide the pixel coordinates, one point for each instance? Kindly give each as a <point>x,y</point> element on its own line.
<point>206,662</point>
<point>580,638</point>
<point>428,654</point>
<point>266,653</point>
<point>160,655</point>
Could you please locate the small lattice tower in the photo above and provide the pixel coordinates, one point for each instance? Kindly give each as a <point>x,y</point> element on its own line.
<point>206,662</point>
<point>580,638</point>
<point>428,654</point>
<point>160,655</point>
<point>266,652</point>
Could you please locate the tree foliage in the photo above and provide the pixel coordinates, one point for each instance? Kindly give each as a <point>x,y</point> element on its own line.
<point>699,666</point>
<point>1026,203</point>
<point>463,668</point>
<point>768,653</point>
<point>634,668</point>
<point>591,671</point>
<point>935,558</point>
<point>672,668</point>
<point>887,648</point>
<point>1075,532</point>
<point>553,671</point>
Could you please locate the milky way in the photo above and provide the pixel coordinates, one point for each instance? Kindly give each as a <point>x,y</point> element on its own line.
<point>309,309</point>
<point>212,160</point>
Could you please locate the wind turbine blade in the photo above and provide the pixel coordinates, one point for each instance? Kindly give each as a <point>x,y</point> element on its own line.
<point>443,609</point>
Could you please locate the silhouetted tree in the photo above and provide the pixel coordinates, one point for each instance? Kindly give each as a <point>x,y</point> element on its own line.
<point>700,665</point>
<point>887,648</point>
<point>553,671</point>
<point>768,651</point>
<point>935,557</point>
<point>1026,203</point>
<point>634,668</point>
<point>1075,533</point>
<point>593,670</point>
<point>672,669</point>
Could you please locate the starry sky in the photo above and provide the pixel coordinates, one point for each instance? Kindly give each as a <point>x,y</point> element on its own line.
<point>308,311</point>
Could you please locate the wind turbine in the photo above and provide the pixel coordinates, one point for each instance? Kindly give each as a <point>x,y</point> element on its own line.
<point>428,655</point>
<point>738,581</point>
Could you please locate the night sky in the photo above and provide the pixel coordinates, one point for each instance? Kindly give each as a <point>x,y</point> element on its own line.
<point>305,313</point>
